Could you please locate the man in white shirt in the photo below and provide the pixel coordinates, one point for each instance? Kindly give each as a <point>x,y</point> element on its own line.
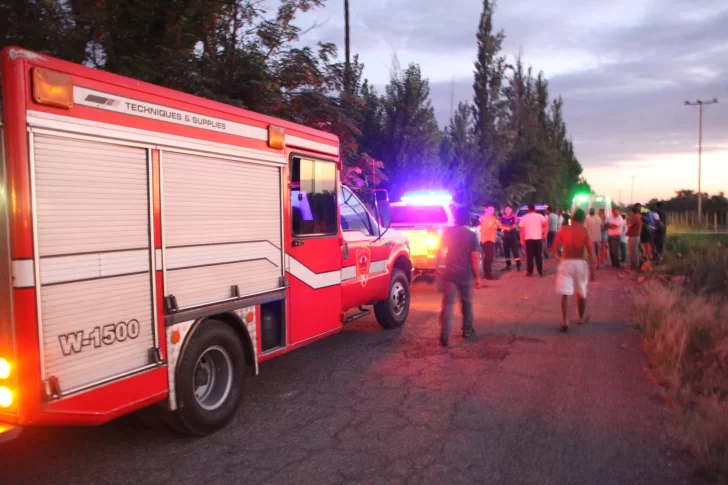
<point>593,225</point>
<point>534,227</point>
<point>614,223</point>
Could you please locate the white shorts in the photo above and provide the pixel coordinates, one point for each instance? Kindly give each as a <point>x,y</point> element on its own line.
<point>572,276</point>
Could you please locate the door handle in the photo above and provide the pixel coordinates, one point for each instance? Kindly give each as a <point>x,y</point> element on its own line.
<point>297,242</point>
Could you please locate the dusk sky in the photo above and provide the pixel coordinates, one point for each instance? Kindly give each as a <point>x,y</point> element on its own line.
<point>624,69</point>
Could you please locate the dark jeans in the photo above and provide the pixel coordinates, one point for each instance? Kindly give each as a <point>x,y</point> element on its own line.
<point>549,242</point>
<point>614,244</point>
<point>659,243</point>
<point>488,252</point>
<point>623,247</point>
<point>511,244</point>
<point>450,289</point>
<point>534,250</point>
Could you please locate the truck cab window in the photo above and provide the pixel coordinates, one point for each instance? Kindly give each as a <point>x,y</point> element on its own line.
<point>313,197</point>
<point>354,216</point>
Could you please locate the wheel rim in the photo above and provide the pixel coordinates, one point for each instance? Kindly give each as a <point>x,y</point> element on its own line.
<point>397,298</point>
<point>212,378</point>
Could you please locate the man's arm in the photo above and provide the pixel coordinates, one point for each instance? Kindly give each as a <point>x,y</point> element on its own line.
<point>475,259</point>
<point>556,244</point>
<point>592,259</point>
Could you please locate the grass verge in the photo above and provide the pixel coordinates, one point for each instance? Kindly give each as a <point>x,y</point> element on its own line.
<point>685,333</point>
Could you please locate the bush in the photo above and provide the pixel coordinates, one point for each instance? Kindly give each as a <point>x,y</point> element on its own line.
<point>686,337</point>
<point>703,261</point>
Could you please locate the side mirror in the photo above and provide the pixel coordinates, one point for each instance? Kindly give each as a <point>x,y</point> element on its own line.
<point>385,219</point>
<point>381,204</point>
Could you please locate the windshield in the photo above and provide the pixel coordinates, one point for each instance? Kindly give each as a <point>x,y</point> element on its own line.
<point>418,214</point>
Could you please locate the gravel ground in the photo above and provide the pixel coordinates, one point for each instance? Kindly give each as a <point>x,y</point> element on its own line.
<point>523,404</point>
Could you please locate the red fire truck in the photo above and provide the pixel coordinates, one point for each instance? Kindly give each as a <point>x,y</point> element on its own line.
<point>156,245</point>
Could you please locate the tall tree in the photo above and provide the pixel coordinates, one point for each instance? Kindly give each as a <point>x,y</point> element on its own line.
<point>487,106</point>
<point>411,136</point>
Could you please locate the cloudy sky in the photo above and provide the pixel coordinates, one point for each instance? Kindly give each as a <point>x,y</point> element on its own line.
<point>624,69</point>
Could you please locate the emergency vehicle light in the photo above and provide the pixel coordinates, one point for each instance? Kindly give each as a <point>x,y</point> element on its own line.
<point>4,368</point>
<point>276,137</point>
<point>6,397</point>
<point>430,197</point>
<point>52,88</point>
<point>582,197</point>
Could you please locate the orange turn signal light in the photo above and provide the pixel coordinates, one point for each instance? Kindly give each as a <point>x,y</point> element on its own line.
<point>52,88</point>
<point>6,397</point>
<point>175,337</point>
<point>4,368</point>
<point>276,137</point>
<point>249,317</point>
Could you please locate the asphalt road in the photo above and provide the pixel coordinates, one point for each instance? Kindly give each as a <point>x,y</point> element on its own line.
<point>522,405</point>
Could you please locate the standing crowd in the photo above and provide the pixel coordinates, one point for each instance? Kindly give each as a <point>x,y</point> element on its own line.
<point>582,244</point>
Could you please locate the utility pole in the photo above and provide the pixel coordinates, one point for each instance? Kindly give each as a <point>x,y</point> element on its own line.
<point>700,103</point>
<point>631,198</point>
<point>347,66</point>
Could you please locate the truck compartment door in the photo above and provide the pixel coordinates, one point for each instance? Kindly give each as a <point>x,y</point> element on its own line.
<point>94,274</point>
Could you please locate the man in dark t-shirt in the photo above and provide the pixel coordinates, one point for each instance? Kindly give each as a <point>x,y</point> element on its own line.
<point>459,250</point>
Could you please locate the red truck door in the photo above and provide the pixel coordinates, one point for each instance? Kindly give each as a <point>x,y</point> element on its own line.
<point>364,275</point>
<point>314,263</point>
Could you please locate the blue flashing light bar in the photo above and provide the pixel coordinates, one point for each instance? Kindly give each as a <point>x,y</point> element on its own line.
<point>427,197</point>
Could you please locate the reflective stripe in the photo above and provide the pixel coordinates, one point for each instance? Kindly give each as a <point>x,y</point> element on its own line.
<point>23,273</point>
<point>375,267</point>
<point>299,142</point>
<point>314,280</point>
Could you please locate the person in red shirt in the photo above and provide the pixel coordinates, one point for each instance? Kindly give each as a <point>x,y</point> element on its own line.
<point>634,230</point>
<point>572,275</point>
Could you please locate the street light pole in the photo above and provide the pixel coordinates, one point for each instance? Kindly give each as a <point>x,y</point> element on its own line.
<point>700,103</point>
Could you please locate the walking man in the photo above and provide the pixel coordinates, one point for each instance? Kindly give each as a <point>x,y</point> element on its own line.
<point>572,275</point>
<point>510,238</point>
<point>460,253</point>
<point>593,226</point>
<point>634,232</point>
<point>661,233</point>
<point>489,226</point>
<point>533,231</point>
<point>614,232</point>
<point>553,220</point>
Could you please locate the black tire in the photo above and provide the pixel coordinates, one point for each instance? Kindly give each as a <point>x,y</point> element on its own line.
<point>214,359</point>
<point>392,312</point>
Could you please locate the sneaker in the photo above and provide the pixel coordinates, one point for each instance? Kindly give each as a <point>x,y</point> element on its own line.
<point>471,335</point>
<point>564,328</point>
<point>443,343</point>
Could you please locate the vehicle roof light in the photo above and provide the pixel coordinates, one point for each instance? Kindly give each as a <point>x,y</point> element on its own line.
<point>427,197</point>
<point>276,137</point>
<point>52,88</point>
<point>582,197</point>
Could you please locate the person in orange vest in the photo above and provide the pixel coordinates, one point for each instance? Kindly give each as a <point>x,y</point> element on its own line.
<point>489,226</point>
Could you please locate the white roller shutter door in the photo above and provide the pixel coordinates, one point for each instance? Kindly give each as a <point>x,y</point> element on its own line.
<point>222,228</point>
<point>92,208</point>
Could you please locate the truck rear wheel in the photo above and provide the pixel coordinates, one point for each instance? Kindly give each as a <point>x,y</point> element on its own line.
<point>209,382</point>
<point>392,312</point>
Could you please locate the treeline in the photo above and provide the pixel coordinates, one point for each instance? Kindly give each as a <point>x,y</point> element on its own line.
<point>687,200</point>
<point>510,144</point>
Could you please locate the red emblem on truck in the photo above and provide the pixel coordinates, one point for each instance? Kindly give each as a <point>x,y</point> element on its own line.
<point>363,259</point>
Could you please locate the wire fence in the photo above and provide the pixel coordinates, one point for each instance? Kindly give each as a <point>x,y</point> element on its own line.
<point>689,222</point>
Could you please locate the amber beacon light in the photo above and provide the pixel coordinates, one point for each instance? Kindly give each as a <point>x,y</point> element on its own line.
<point>52,88</point>
<point>276,137</point>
